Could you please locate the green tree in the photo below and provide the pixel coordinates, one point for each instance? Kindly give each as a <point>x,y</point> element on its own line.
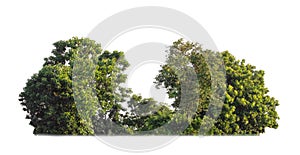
<point>49,98</point>
<point>247,108</point>
<point>110,93</point>
<point>78,91</point>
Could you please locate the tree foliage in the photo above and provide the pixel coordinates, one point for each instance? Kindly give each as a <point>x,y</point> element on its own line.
<point>58,98</point>
<point>247,108</point>
<point>48,95</point>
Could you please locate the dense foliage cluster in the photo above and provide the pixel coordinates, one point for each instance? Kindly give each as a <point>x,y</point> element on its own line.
<point>247,109</point>
<point>57,101</point>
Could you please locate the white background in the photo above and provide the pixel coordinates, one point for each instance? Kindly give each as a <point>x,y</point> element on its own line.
<point>265,33</point>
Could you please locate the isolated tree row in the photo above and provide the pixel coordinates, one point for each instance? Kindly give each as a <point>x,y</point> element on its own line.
<point>79,91</point>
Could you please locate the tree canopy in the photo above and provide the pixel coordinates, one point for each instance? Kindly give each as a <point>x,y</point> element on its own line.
<point>60,99</point>
<point>247,109</point>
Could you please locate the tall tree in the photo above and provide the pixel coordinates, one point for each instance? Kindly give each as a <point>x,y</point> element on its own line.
<point>77,90</point>
<point>48,97</point>
<point>247,108</point>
